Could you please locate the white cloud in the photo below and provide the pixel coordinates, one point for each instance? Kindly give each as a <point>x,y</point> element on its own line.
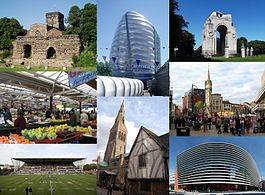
<point>237,82</point>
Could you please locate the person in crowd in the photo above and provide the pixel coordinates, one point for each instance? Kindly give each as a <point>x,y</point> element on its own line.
<point>83,118</point>
<point>232,125</point>
<point>237,125</point>
<point>248,124</point>
<point>218,125</point>
<point>27,190</point>
<point>58,115</point>
<point>73,118</point>
<point>30,191</point>
<point>7,114</point>
<point>48,114</point>
<point>20,123</point>
<point>226,125</point>
<point>205,123</point>
<point>209,122</point>
<point>242,125</point>
<point>109,192</point>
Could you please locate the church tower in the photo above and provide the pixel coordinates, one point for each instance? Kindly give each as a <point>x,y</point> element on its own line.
<point>117,137</point>
<point>208,94</point>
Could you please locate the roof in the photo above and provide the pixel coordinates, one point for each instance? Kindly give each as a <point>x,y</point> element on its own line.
<point>43,84</point>
<point>50,159</point>
<point>161,141</point>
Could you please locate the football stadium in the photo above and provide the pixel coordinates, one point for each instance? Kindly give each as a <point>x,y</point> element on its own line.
<point>48,176</point>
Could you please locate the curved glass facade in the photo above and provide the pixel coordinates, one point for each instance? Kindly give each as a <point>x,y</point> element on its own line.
<point>221,164</point>
<point>135,50</point>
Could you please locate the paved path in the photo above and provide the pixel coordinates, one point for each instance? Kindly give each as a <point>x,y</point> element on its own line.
<point>101,191</point>
<point>213,132</point>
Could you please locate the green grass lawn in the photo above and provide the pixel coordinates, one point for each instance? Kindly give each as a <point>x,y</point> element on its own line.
<point>259,58</point>
<point>23,68</point>
<point>41,184</point>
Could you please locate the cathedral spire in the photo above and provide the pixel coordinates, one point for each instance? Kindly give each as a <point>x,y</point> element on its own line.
<point>209,77</point>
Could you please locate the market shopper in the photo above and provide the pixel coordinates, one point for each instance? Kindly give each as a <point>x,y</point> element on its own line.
<point>20,123</point>
<point>73,118</point>
<point>83,118</point>
<point>48,114</point>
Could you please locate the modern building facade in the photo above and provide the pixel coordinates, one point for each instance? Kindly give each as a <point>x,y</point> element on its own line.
<point>135,50</point>
<point>217,166</point>
<point>191,97</point>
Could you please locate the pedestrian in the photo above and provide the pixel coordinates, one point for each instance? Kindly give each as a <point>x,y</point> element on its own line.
<point>20,123</point>
<point>242,125</point>
<point>27,190</point>
<point>109,192</point>
<point>30,191</point>
<point>226,124</point>
<point>218,125</point>
<point>209,122</point>
<point>205,123</point>
<point>237,125</point>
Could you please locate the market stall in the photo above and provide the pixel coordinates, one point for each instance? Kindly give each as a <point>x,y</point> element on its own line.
<point>51,108</point>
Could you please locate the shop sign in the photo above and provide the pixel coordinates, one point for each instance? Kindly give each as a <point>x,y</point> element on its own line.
<point>79,78</point>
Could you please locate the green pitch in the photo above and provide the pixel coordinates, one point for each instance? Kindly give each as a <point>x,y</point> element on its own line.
<point>42,184</point>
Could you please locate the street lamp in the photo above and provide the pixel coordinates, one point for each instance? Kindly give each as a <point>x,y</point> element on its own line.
<point>192,96</point>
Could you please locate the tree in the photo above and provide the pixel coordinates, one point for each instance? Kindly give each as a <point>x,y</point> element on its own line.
<point>86,59</point>
<point>74,20</point>
<point>181,41</point>
<point>84,23</point>
<point>10,28</point>
<point>103,69</point>
<point>240,41</point>
<point>198,105</point>
<point>258,46</point>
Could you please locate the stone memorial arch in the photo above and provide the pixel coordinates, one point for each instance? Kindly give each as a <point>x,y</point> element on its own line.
<point>226,43</point>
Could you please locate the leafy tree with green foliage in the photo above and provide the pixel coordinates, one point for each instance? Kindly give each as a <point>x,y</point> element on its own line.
<point>258,46</point>
<point>10,28</point>
<point>103,69</point>
<point>86,59</point>
<point>240,41</point>
<point>89,167</point>
<point>84,23</point>
<point>181,41</point>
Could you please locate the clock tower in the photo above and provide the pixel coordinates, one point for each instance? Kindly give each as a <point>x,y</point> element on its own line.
<point>55,20</point>
<point>208,94</point>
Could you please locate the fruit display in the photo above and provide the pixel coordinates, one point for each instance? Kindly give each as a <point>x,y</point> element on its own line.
<point>87,130</point>
<point>59,120</point>
<point>14,139</point>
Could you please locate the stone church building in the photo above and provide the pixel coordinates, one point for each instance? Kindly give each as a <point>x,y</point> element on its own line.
<point>144,171</point>
<point>46,45</point>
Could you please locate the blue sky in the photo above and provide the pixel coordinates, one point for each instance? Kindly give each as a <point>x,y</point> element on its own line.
<point>150,112</point>
<point>88,151</point>
<point>110,13</point>
<point>254,145</point>
<point>33,11</point>
<point>248,16</point>
<point>237,82</point>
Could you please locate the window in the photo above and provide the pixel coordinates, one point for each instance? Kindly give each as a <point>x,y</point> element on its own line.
<point>27,51</point>
<point>142,161</point>
<point>51,53</point>
<point>145,186</point>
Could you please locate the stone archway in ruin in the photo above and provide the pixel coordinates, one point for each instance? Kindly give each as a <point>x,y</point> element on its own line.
<point>27,51</point>
<point>218,35</point>
<point>51,53</point>
<point>221,39</point>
